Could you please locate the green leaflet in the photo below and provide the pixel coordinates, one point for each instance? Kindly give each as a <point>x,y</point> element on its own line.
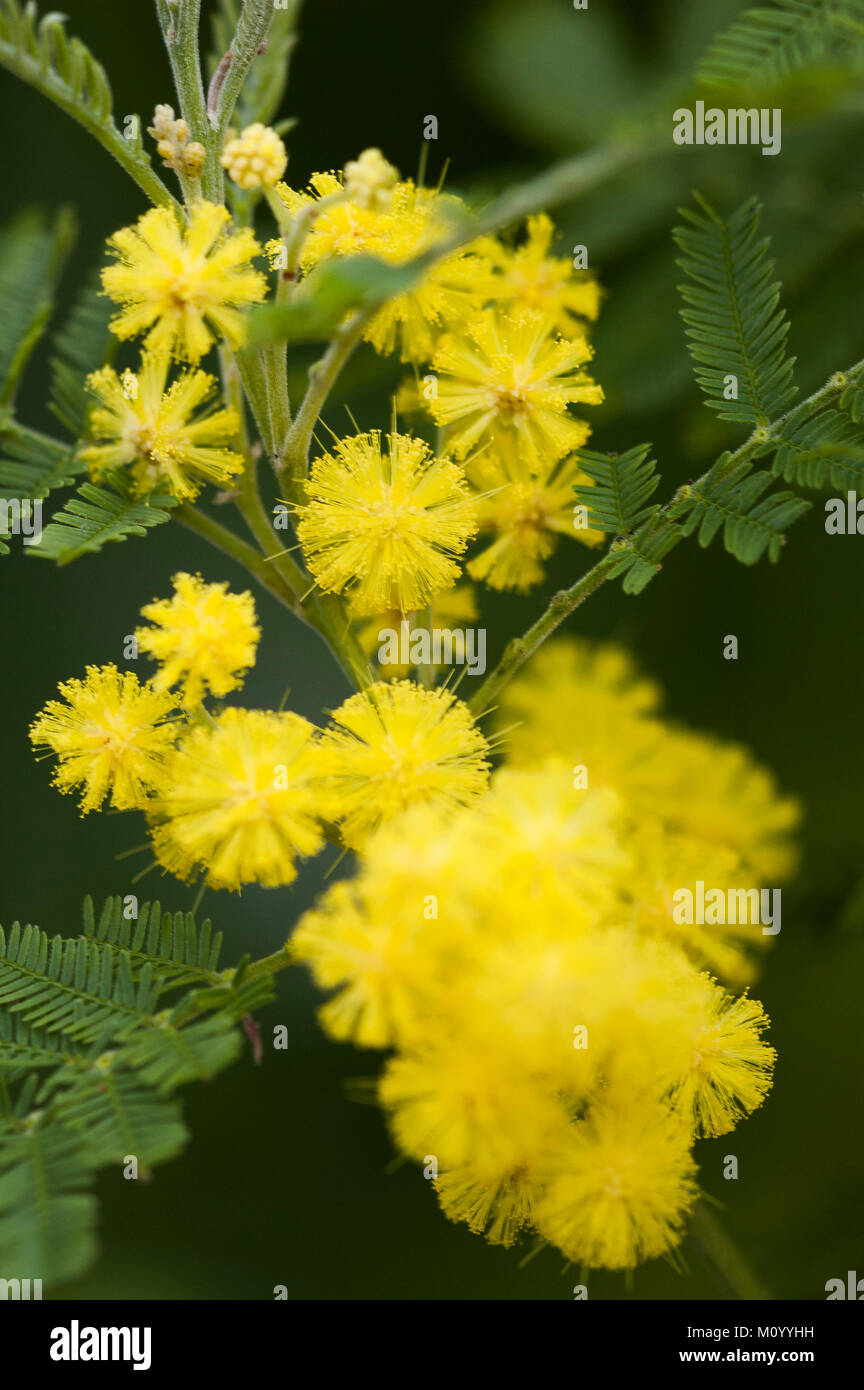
<point>765,45</point>
<point>97,515</point>
<point>736,329</point>
<point>32,257</point>
<point>623,483</point>
<point>40,53</point>
<point>330,292</point>
<point>89,1057</point>
<point>752,523</point>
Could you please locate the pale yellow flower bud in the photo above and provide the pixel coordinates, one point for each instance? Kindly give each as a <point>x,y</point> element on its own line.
<point>369,179</point>
<point>256,158</point>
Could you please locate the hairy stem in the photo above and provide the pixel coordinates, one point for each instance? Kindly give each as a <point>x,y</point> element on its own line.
<point>252,27</point>
<point>128,154</point>
<point>322,378</point>
<point>179,23</point>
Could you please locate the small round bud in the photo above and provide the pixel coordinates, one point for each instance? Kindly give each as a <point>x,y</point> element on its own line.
<point>256,158</point>
<point>369,179</point>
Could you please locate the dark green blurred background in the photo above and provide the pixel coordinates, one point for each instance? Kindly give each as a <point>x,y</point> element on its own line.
<point>287,1180</point>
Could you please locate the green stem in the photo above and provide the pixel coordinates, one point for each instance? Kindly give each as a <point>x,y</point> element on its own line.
<point>252,27</point>
<point>322,612</point>
<point>179,23</point>
<point>727,1264</point>
<point>322,378</point>
<point>517,651</point>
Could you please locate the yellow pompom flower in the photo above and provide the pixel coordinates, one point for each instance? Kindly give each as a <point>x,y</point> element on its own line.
<point>240,801</point>
<point>620,1190</point>
<point>396,230</point>
<point>204,638</point>
<point>529,278</point>
<point>112,736</point>
<point>507,381</point>
<point>397,745</point>
<point>525,517</point>
<point>141,425</point>
<point>731,1069</point>
<point>385,525</point>
<point>458,1096</point>
<point>372,939</point>
<point>183,287</point>
<point>256,158</point>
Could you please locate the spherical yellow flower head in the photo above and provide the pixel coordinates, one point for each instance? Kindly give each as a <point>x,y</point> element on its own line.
<point>665,862</point>
<point>588,703</point>
<point>152,431</point>
<point>112,735</point>
<point>558,1067</point>
<point>183,287</point>
<point>695,809</point>
<point>731,1068</point>
<point>529,278</point>
<point>621,1190</point>
<point>716,792</point>
<point>448,609</point>
<point>377,940</point>
<point>241,801</point>
<point>545,840</point>
<point>452,1097</point>
<point>507,381</point>
<point>525,517</point>
<point>370,180</point>
<point>397,745</point>
<point>449,293</point>
<point>204,638</point>
<point>256,158</point>
<point>385,525</point>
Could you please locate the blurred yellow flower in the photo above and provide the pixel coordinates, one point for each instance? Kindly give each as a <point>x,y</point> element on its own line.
<point>204,638</point>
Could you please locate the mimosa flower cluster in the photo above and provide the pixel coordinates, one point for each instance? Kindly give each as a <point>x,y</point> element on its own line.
<point>236,796</point>
<point>500,328</point>
<point>556,1043</point>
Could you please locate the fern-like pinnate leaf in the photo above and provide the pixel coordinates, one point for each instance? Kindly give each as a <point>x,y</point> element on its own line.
<point>622,484</point>
<point>33,464</point>
<point>829,447</point>
<point>40,53</point>
<point>643,555</point>
<point>90,1055</point>
<point>767,44</point>
<point>47,1211</point>
<point>176,949</point>
<point>736,328</point>
<point>96,515</point>
<point>32,256</point>
<point>735,502</point>
<point>82,344</point>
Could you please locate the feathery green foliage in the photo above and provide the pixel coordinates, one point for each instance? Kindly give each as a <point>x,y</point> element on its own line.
<point>618,501</point>
<point>765,45</point>
<point>735,325</point>
<point>33,464</point>
<point>97,515</point>
<point>89,1057</point>
<point>827,447</point>
<point>82,344</point>
<point>735,502</point>
<point>32,257</point>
